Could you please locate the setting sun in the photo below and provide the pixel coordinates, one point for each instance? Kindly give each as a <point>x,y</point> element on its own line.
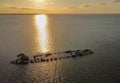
<point>39,1</point>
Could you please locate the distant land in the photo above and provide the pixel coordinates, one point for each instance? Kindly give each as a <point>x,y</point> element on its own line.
<point>58,14</point>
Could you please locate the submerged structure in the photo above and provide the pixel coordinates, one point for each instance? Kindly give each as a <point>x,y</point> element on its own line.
<point>23,59</point>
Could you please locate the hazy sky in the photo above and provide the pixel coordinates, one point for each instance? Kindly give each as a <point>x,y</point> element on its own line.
<point>60,6</point>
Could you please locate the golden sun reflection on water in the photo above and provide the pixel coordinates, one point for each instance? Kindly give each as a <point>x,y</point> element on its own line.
<point>41,23</point>
<point>44,44</point>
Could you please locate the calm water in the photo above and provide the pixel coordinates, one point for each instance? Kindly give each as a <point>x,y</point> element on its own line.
<point>32,34</point>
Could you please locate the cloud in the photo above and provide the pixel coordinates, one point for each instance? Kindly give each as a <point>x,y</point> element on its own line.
<point>25,8</point>
<point>110,2</point>
<point>115,1</point>
<point>20,8</point>
<point>102,3</point>
<point>77,7</point>
<point>72,7</point>
<point>12,7</point>
<point>28,9</point>
<point>86,5</point>
<point>92,5</point>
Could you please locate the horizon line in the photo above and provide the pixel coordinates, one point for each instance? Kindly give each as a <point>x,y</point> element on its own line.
<point>58,13</point>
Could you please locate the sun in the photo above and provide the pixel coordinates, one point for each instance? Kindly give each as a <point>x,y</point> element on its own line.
<point>39,1</point>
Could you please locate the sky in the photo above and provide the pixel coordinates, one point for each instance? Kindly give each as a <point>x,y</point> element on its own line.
<point>60,6</point>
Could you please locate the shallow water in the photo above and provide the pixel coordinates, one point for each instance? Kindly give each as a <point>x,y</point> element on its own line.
<point>33,34</point>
